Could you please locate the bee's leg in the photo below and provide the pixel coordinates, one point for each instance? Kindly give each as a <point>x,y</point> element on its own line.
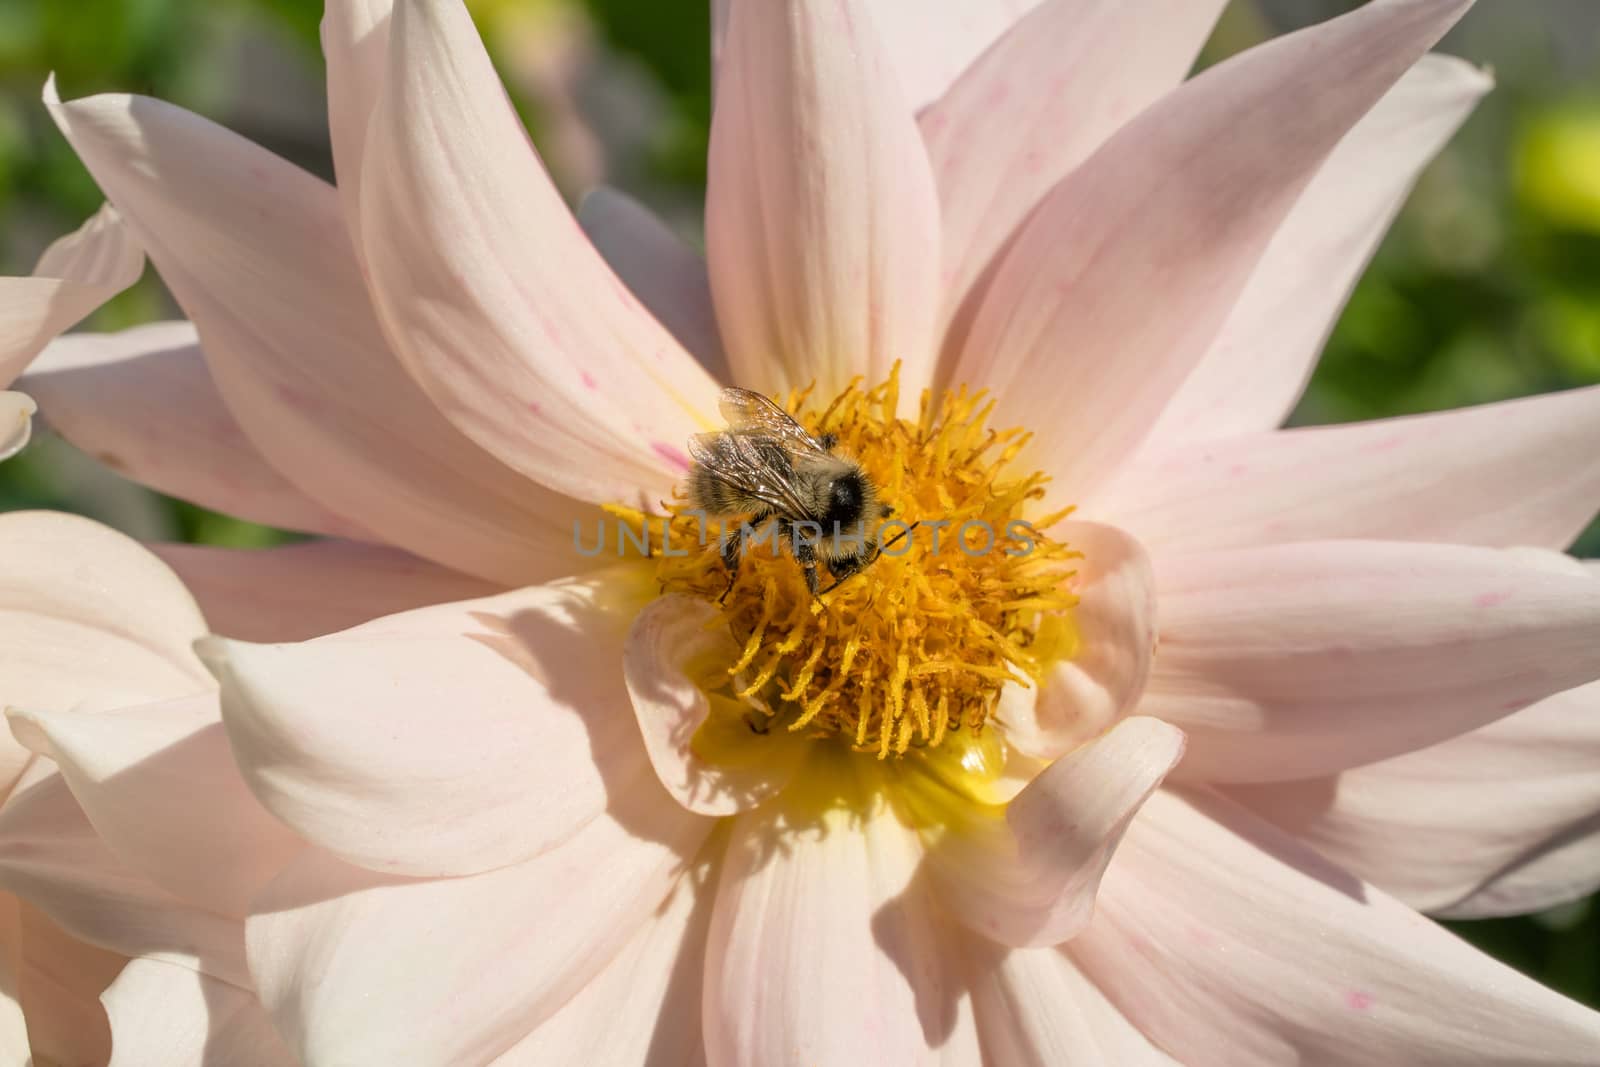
<point>805,553</point>
<point>733,548</point>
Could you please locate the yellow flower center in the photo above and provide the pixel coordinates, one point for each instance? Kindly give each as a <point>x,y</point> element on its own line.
<point>915,648</point>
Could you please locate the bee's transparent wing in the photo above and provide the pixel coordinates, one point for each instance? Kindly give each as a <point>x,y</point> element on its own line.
<point>751,413</point>
<point>756,465</point>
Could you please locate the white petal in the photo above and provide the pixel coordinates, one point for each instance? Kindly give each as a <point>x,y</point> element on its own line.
<point>1255,370</point>
<point>446,740</point>
<point>822,222</point>
<point>143,403</point>
<point>310,589</point>
<point>1500,821</point>
<point>1231,945</point>
<point>74,276</point>
<point>667,276</point>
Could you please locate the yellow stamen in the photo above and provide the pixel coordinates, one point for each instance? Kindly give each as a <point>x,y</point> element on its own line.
<point>917,646</point>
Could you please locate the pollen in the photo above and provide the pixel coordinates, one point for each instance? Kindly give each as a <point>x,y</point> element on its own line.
<point>969,592</point>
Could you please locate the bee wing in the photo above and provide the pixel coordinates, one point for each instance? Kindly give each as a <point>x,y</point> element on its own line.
<point>751,413</point>
<point>755,465</point>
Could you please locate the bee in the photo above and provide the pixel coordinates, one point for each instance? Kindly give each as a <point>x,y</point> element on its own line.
<point>767,467</point>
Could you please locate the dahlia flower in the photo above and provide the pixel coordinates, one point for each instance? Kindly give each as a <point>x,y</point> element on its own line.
<point>1165,788</point>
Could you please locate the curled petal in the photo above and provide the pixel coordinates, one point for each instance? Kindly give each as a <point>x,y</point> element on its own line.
<point>1292,661</point>
<point>1317,968</point>
<point>143,403</point>
<point>676,649</point>
<point>74,276</point>
<point>16,423</point>
<point>447,740</point>
<point>1085,693</point>
<point>138,774</point>
<point>51,855</point>
<point>822,222</point>
<point>1031,879</point>
<point>89,620</point>
<point>300,591</point>
<point>494,299</point>
<point>1182,202</point>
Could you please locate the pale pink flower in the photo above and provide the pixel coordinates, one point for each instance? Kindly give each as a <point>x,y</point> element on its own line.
<point>1373,689</point>
<point>129,839</point>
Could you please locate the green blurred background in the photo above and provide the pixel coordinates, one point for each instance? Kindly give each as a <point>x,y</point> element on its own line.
<point>1489,286</point>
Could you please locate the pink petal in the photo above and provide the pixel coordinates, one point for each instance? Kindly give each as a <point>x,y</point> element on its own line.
<point>170,1015</point>
<point>1038,103</point>
<point>60,980</point>
<point>1178,207</point>
<point>88,620</point>
<point>355,43</point>
<point>928,43</point>
<point>1030,880</point>
<point>1035,1008</point>
<point>13,1028</point>
<point>356,967</point>
<point>1116,623</point>
<point>300,591</point>
<point>160,787</point>
<point>1292,661</point>
<point>448,740</point>
<point>1228,943</point>
<point>143,403</point>
<point>667,275</point>
<point>823,949</point>
<point>255,251</point>
<point>822,222</point>
<point>74,276</point>
<point>495,301</point>
<point>1258,365</point>
<point>1520,472</point>
<point>1499,821</point>
<point>16,423</point>
<point>53,857</point>
<point>644,1008</point>
<point>675,647</point>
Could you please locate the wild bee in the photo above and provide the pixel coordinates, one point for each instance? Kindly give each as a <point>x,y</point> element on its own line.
<point>767,467</point>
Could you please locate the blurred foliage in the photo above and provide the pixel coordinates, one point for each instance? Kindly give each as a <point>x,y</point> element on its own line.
<point>1488,287</point>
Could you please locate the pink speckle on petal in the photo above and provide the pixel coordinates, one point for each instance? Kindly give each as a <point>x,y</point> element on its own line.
<point>1359,1001</point>
<point>1389,443</point>
<point>534,408</point>
<point>1492,600</point>
<point>672,455</point>
<point>588,380</point>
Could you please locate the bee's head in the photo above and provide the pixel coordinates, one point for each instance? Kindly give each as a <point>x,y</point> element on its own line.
<point>847,498</point>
